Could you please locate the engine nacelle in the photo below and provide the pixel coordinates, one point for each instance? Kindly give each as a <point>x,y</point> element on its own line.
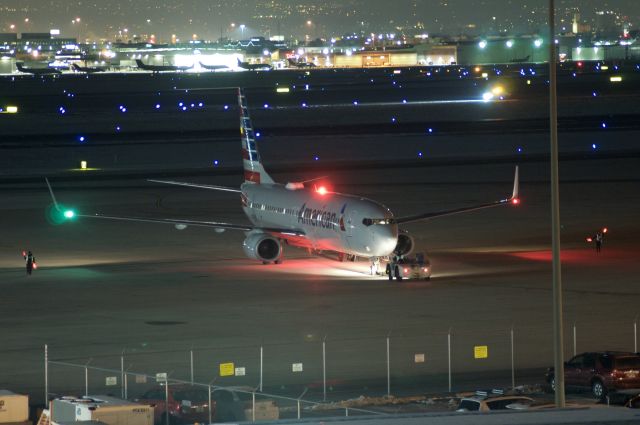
<point>405,243</point>
<point>263,247</point>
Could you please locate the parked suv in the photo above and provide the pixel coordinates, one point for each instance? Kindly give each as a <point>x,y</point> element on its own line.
<point>189,404</point>
<point>601,372</point>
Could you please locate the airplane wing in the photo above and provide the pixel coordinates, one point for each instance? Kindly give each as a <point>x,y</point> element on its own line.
<point>179,223</point>
<point>426,216</point>
<point>199,186</point>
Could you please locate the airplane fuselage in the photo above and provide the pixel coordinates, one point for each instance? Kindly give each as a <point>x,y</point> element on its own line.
<point>330,221</point>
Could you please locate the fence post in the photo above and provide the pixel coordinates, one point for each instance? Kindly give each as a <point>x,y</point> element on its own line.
<point>261,364</point>
<point>86,381</point>
<point>388,367</point>
<point>513,366</point>
<point>191,363</point>
<point>635,335</point>
<point>46,376</point>
<point>126,385</point>
<point>574,339</point>
<point>166,400</point>
<point>122,385</point>
<point>346,411</point>
<point>324,369</point>
<point>298,408</point>
<point>210,422</point>
<point>449,355</point>
<point>253,406</point>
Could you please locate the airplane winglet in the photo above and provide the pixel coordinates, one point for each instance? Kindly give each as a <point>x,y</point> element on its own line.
<point>516,184</point>
<point>53,197</point>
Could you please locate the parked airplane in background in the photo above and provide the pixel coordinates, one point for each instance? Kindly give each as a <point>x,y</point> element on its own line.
<point>303,216</point>
<point>160,68</point>
<point>37,71</point>
<point>87,69</point>
<point>520,60</point>
<point>213,67</point>
<point>254,66</point>
<point>301,64</point>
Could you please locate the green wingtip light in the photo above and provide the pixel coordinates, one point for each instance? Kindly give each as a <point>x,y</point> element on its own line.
<point>69,214</point>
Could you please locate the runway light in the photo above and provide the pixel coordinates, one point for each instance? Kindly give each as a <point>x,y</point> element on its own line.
<point>604,125</point>
<point>519,149</point>
<point>355,102</point>
<point>594,94</point>
<point>69,214</point>
<point>594,146</point>
<point>304,105</point>
<point>393,119</point>
<point>487,96</point>
<point>266,106</point>
<point>83,165</point>
<point>226,107</point>
<point>420,154</point>
<point>615,79</point>
<point>282,90</point>
<point>215,162</point>
<point>315,158</point>
<point>12,110</point>
<point>117,128</point>
<point>430,130</point>
<point>257,134</point>
<point>157,106</point>
<point>81,139</point>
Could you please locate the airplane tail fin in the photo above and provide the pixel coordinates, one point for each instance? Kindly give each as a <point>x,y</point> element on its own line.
<point>254,172</point>
<point>75,67</point>
<point>140,64</point>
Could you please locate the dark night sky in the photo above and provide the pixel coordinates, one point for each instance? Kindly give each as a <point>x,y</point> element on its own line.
<point>212,18</point>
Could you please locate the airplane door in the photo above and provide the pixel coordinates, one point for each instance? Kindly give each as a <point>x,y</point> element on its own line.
<point>350,224</point>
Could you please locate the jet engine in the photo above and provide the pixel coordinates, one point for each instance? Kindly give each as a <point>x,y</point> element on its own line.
<point>405,243</point>
<point>263,247</point>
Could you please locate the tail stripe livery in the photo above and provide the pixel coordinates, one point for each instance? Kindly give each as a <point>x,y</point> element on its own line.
<point>253,170</point>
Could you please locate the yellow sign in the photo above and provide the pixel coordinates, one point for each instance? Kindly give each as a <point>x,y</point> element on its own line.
<point>227,369</point>
<point>480,352</point>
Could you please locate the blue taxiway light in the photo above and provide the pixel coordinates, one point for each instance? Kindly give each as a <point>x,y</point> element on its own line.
<point>226,107</point>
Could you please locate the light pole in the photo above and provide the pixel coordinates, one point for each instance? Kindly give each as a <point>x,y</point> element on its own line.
<point>558,344</point>
<point>76,22</point>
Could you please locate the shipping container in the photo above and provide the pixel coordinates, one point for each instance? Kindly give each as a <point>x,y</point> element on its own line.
<point>13,407</point>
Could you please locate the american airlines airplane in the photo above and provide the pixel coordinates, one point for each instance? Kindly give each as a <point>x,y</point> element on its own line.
<point>302,216</point>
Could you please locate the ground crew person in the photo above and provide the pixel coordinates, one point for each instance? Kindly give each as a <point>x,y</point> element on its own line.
<point>30,261</point>
<point>598,238</point>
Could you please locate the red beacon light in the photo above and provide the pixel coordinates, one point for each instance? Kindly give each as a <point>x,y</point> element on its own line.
<point>605,230</point>
<point>515,201</point>
<point>322,190</point>
<point>589,239</point>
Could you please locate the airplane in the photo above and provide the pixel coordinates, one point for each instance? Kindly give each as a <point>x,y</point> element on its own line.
<point>159,68</point>
<point>301,64</point>
<point>213,67</point>
<point>87,69</point>
<point>254,66</point>
<point>519,60</point>
<point>37,71</point>
<point>300,215</point>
